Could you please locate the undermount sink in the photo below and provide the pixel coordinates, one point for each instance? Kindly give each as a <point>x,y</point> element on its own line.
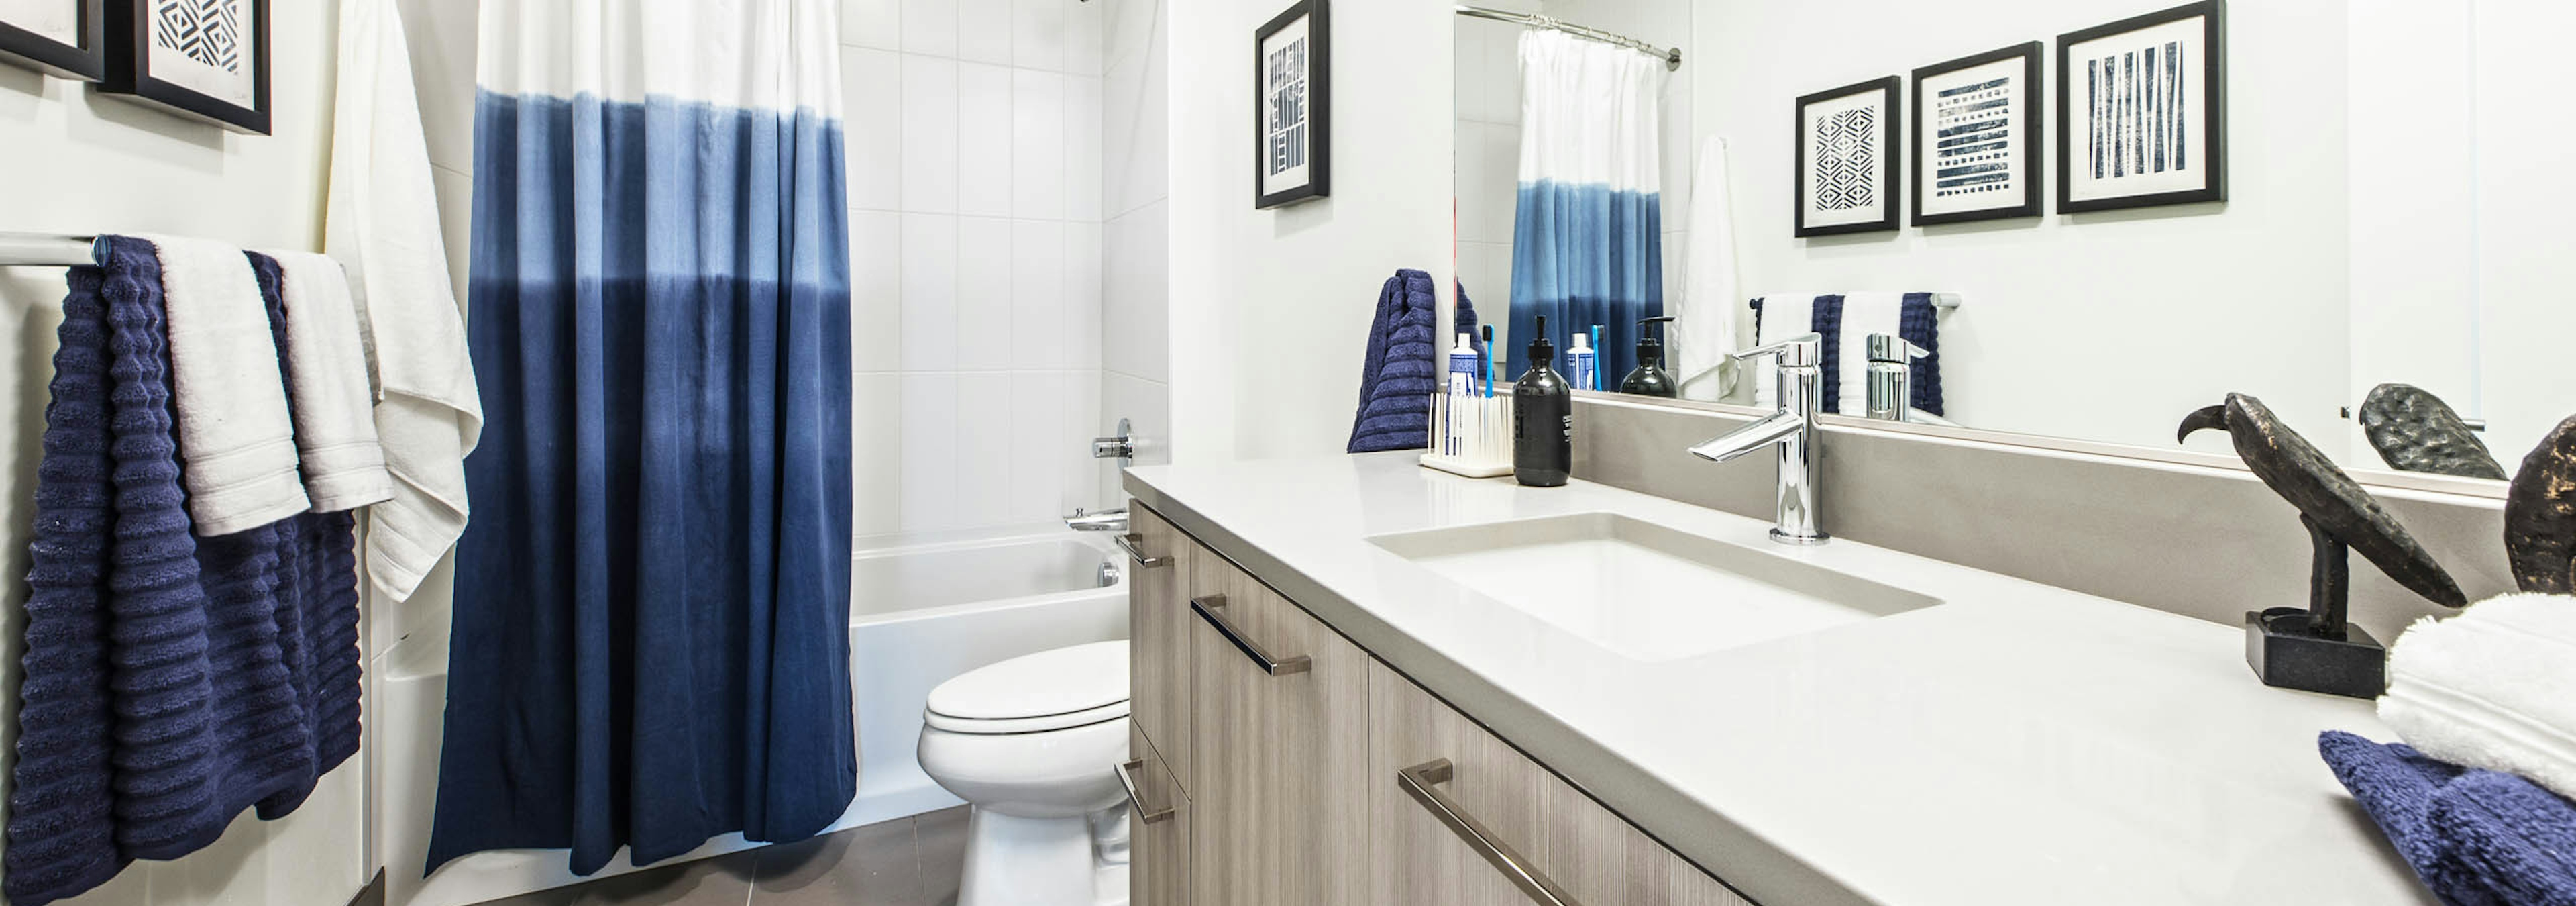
<point>1645,591</point>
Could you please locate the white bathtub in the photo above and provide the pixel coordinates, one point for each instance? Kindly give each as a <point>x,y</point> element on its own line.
<point>923,608</point>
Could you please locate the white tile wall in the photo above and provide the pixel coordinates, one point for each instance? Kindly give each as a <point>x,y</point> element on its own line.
<point>1135,297</point>
<point>975,134</point>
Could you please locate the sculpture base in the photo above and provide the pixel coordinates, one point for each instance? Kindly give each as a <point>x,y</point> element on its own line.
<point>2283,653</point>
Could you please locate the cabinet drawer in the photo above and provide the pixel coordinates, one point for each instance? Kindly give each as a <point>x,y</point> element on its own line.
<point>1158,868</point>
<point>1463,819</point>
<point>1160,565</point>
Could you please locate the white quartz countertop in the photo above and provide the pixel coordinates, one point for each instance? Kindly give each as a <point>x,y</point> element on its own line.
<point>2018,744</point>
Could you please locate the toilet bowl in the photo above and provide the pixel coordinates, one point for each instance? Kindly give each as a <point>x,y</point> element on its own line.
<point>1032,744</point>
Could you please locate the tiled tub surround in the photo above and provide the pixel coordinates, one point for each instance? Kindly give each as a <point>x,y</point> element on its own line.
<point>2017,744</point>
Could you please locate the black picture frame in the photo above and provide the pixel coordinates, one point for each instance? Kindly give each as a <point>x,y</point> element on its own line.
<point>1890,90</point>
<point>86,62</point>
<point>129,69</point>
<point>2212,120</point>
<point>1318,106</point>
<point>2026,142</point>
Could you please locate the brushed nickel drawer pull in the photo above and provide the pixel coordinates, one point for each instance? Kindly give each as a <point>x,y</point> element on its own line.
<point>1210,609</point>
<point>1127,778</point>
<point>1422,782</point>
<point>1128,542</point>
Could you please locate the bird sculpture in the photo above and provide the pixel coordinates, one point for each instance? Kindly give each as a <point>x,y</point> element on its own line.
<point>2415,431</point>
<point>2540,516</point>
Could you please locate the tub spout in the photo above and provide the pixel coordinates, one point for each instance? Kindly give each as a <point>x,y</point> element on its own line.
<point>1103,521</point>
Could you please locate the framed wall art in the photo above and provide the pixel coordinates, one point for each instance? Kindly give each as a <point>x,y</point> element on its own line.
<point>206,59</point>
<point>1848,158</point>
<point>66,38</point>
<point>1292,110</point>
<point>2142,111</point>
<point>1977,137</point>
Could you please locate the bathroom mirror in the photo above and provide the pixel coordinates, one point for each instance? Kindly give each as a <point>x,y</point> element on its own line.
<point>2390,270</point>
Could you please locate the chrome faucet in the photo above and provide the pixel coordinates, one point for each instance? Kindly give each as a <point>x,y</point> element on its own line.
<point>1103,521</point>
<point>1792,430</point>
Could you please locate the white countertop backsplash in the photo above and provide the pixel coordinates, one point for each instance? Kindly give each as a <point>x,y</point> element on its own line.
<point>2017,744</point>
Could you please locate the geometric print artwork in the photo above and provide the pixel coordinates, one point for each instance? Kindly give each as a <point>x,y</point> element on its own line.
<point>1846,161</point>
<point>207,31</point>
<point>1972,138</point>
<point>2137,124</point>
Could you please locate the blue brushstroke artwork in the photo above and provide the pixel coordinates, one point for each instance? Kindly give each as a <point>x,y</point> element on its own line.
<point>2137,124</point>
<point>1972,153</point>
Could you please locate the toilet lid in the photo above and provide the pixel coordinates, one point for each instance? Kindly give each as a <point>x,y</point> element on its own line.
<point>1061,682</point>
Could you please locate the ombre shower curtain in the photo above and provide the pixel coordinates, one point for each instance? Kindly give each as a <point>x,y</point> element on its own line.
<point>1587,246</point>
<point>651,643</point>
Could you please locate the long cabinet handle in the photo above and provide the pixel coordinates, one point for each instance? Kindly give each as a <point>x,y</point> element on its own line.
<point>1422,782</point>
<point>1212,609</point>
<point>1127,778</point>
<point>1128,543</point>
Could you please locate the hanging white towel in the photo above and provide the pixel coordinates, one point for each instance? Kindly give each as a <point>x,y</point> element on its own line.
<point>236,436</point>
<point>2491,688</point>
<point>382,224</point>
<point>1863,314</point>
<point>326,359</point>
<point>1704,335</point>
<point>1784,315</point>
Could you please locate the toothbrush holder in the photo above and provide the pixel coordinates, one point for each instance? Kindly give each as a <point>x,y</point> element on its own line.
<point>1470,435</point>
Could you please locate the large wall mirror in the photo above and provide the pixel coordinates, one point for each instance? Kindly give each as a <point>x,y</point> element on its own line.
<point>2392,268</point>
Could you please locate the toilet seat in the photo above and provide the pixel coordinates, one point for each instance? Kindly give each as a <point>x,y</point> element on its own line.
<point>1050,690</point>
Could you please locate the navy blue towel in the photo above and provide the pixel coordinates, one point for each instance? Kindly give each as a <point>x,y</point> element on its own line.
<point>2476,838</point>
<point>171,681</point>
<point>1919,324</point>
<point>1402,369</point>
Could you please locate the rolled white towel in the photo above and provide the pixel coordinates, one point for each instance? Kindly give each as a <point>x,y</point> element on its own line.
<point>236,438</point>
<point>2492,688</point>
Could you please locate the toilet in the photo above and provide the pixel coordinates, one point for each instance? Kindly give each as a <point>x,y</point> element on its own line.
<point>1033,744</point>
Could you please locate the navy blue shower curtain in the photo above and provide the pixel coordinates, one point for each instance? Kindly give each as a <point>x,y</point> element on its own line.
<point>650,630</point>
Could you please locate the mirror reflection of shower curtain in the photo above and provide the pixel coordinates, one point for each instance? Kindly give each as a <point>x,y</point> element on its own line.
<point>1587,244</point>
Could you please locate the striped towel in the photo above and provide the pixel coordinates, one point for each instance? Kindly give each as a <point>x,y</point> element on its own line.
<point>1846,320</point>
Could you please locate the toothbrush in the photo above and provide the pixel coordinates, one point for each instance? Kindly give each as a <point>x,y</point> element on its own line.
<point>1487,353</point>
<point>1596,358</point>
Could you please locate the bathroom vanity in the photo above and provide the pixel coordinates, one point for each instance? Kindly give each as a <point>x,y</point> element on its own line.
<point>1359,681</point>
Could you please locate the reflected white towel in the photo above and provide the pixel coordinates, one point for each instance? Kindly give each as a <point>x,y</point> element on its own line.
<point>326,359</point>
<point>2493,688</point>
<point>1704,335</point>
<point>236,438</point>
<point>382,224</point>
<point>1863,314</point>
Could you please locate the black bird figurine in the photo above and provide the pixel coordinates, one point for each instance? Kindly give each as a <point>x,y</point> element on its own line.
<point>2415,431</point>
<point>2540,516</point>
<point>2317,649</point>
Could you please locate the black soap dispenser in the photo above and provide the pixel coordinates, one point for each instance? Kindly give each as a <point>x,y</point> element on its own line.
<point>1650,378</point>
<point>1542,418</point>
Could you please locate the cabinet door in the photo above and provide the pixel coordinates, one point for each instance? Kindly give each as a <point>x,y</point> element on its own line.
<point>1158,868</point>
<point>1158,671</point>
<point>1463,819</point>
<point>1280,713</point>
<point>1418,858</point>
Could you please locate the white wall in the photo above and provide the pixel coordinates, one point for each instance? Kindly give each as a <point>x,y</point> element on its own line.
<point>1270,309</point>
<point>976,235</point>
<point>2525,278</point>
<point>2106,326</point>
<point>84,163</point>
<point>1135,353</point>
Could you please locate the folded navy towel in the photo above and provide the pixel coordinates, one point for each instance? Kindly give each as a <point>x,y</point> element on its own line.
<point>1402,369</point>
<point>171,680</point>
<point>2476,838</point>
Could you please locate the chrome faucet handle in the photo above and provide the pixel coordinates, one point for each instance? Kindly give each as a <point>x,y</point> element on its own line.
<point>1888,347</point>
<point>1805,350</point>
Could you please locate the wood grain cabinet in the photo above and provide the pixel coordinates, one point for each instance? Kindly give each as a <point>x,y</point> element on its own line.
<point>1281,765</point>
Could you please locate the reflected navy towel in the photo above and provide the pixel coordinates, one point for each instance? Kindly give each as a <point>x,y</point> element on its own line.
<point>1402,370</point>
<point>2476,838</point>
<point>171,681</point>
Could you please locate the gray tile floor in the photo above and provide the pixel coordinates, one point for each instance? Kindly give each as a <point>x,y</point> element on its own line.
<point>905,862</point>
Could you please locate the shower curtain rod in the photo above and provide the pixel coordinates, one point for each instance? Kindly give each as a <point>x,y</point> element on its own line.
<point>1672,57</point>
<point>45,250</point>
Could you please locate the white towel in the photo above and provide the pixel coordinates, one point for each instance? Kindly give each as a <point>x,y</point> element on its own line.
<point>1704,334</point>
<point>382,224</point>
<point>1863,314</point>
<point>326,368</point>
<point>2493,688</point>
<point>1784,315</point>
<point>236,436</point>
